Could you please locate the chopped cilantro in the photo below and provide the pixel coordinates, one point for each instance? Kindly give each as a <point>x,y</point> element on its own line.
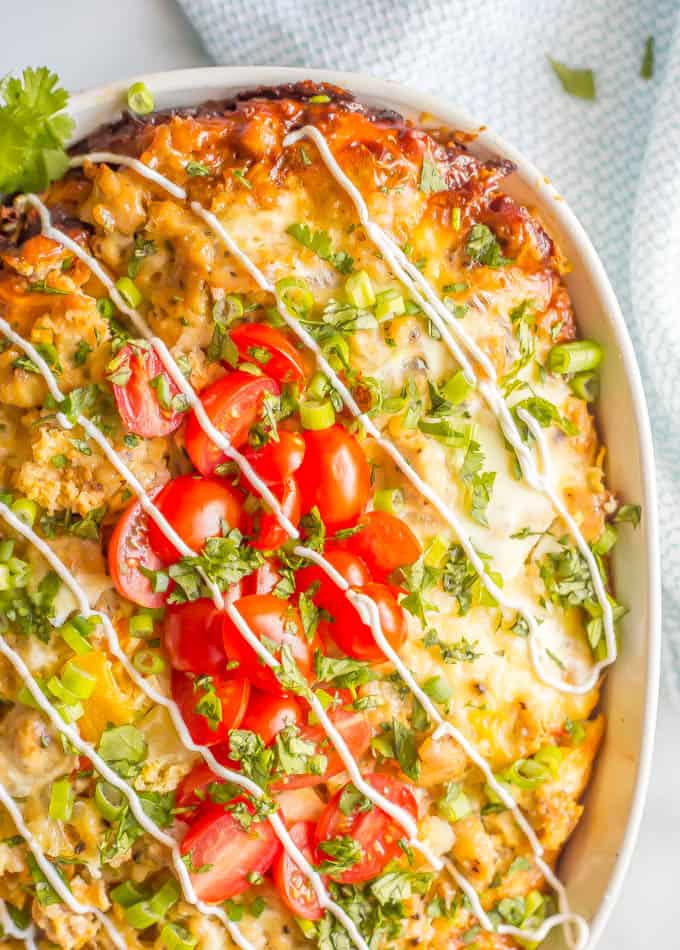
<point>319,243</point>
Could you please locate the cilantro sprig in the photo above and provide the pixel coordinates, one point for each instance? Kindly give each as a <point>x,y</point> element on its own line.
<point>33,130</point>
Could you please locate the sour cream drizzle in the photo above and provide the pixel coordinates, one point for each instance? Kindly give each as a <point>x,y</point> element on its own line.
<point>48,869</point>
<point>365,606</point>
<point>437,311</point>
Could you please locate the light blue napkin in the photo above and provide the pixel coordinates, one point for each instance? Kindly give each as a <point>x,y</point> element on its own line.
<point>616,160</point>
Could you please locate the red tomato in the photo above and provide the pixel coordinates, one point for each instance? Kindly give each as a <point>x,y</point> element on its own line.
<point>263,527</point>
<point>385,543</point>
<point>377,833</point>
<point>192,789</point>
<point>196,508</point>
<point>335,477</point>
<point>233,406</point>
<point>137,400</point>
<point>355,637</point>
<point>233,693</point>
<point>354,729</point>
<point>192,636</point>
<point>276,460</point>
<point>267,715</point>
<point>270,349</point>
<point>329,595</point>
<point>292,884</point>
<point>227,854</point>
<point>277,620</point>
<point>263,580</point>
<point>129,549</point>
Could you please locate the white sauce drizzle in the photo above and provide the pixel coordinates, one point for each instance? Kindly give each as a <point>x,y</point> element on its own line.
<point>365,606</point>
<point>50,873</point>
<point>10,929</point>
<point>441,317</point>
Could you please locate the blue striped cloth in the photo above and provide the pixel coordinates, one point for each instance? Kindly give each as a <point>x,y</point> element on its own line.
<point>616,160</point>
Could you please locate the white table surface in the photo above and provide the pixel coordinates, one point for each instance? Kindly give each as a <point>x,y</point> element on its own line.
<point>89,42</point>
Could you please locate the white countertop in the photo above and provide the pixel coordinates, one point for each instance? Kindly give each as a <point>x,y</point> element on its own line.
<point>89,42</point>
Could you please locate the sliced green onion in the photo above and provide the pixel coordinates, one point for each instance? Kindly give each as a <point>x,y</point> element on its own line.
<point>111,803</point>
<point>128,893</point>
<point>317,415</point>
<point>73,638</point>
<point>320,98</point>
<point>295,295</point>
<point>551,756</point>
<point>20,571</point>
<point>129,291</point>
<point>6,549</point>
<point>454,804</point>
<point>442,429</point>
<point>70,712</point>
<point>606,541</point>
<point>359,290</point>
<point>163,899</point>
<point>25,697</point>
<point>105,307</point>
<point>455,219</point>
<point>25,510</point>
<point>140,99</point>
<point>148,662</point>
<point>177,937</point>
<point>308,928</point>
<point>318,386</point>
<point>141,625</point>
<point>61,800</point>
<point>141,915</point>
<point>586,386</point>
<point>337,349</point>
<point>78,681</point>
<point>61,692</point>
<point>388,499</point>
<point>457,389</point>
<point>437,688</point>
<point>6,582</point>
<point>435,551</point>
<point>576,357</point>
<point>389,303</point>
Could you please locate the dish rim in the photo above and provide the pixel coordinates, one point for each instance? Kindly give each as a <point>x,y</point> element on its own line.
<point>190,82</point>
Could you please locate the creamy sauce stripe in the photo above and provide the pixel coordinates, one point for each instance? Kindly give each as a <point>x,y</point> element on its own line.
<point>437,311</point>
<point>50,872</point>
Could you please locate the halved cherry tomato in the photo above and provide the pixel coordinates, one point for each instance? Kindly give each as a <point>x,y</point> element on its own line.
<point>277,620</point>
<point>192,636</point>
<point>270,349</point>
<point>334,476</point>
<point>224,854</point>
<point>137,399</point>
<point>263,580</point>
<point>292,884</point>
<point>385,543</point>
<point>278,459</point>
<point>376,832</point>
<point>263,526</point>
<point>129,549</point>
<point>232,694</point>
<point>233,405</point>
<point>328,595</point>
<point>197,508</point>
<point>354,728</point>
<point>192,789</point>
<point>355,637</point>
<point>267,715</point>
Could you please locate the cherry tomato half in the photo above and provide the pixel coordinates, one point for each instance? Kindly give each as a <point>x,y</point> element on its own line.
<point>277,620</point>
<point>354,728</point>
<point>385,543</point>
<point>224,699</point>
<point>224,854</point>
<point>334,476</point>
<point>270,349</point>
<point>263,580</point>
<point>355,637</point>
<point>276,460</point>
<point>292,884</point>
<point>137,400</point>
<point>233,405</point>
<point>267,715</point>
<point>376,832</point>
<point>192,637</point>
<point>197,508</point>
<point>263,526</point>
<point>129,549</point>
<point>328,595</point>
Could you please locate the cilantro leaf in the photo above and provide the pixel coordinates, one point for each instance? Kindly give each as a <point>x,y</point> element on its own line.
<point>482,247</point>
<point>342,852</point>
<point>397,886</point>
<point>32,133</point>
<point>343,673</point>
<point>406,750</point>
<point>319,242</point>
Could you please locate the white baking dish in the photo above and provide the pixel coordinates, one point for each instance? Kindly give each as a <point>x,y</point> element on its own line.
<point>598,855</point>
